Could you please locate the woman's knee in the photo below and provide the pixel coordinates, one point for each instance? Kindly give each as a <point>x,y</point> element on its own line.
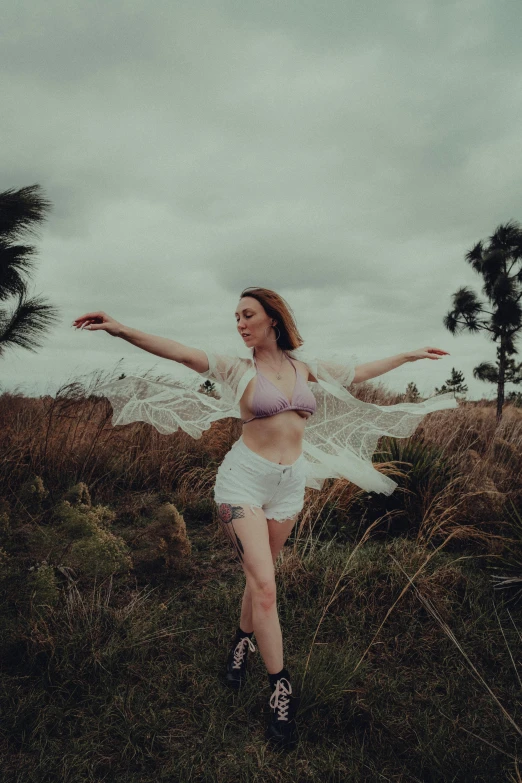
<point>264,592</point>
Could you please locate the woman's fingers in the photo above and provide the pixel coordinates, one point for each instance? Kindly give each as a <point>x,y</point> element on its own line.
<point>98,320</point>
<point>83,324</point>
<point>88,318</point>
<point>440,353</point>
<point>427,353</point>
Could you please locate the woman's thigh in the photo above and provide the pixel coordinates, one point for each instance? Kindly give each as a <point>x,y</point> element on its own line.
<point>246,527</point>
<point>278,533</point>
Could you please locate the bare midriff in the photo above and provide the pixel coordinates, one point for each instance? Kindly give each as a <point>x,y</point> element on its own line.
<point>278,438</point>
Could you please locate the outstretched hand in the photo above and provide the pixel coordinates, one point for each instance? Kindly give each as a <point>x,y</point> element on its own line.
<point>98,320</point>
<point>426,353</point>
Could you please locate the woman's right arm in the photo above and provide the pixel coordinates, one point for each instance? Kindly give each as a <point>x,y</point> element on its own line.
<point>194,358</point>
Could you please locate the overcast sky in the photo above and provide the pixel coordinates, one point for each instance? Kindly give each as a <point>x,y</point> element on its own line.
<point>347,155</point>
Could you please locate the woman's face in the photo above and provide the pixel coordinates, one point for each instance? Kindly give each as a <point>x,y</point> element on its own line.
<point>253,322</point>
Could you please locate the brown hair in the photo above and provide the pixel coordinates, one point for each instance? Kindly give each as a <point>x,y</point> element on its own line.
<point>275,306</point>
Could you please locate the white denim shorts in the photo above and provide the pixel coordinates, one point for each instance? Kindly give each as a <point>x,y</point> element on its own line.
<point>246,478</point>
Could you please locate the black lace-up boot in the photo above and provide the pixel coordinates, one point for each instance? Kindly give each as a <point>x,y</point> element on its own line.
<point>236,669</point>
<point>282,730</point>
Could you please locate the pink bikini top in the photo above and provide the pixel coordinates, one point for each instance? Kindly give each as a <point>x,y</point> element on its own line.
<point>269,400</point>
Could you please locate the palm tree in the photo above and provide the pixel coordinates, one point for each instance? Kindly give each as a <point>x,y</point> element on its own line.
<point>499,264</point>
<point>21,211</point>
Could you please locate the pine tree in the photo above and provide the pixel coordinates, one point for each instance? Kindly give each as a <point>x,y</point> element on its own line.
<point>454,384</point>
<point>500,265</point>
<point>412,393</point>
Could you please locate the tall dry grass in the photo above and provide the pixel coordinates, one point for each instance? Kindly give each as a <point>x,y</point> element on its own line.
<point>389,615</point>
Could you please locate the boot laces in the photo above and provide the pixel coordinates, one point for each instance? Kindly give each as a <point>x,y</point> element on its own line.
<point>240,651</point>
<point>279,699</point>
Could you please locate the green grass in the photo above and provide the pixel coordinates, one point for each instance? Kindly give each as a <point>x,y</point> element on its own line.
<point>400,622</point>
<point>119,680</point>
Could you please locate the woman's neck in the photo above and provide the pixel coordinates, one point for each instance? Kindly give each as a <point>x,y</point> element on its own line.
<point>268,354</point>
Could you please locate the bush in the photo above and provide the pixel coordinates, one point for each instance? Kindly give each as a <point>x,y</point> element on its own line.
<point>99,555</point>
<point>78,494</point>
<point>82,520</point>
<point>43,586</point>
<point>427,472</point>
<point>32,493</point>
<point>164,540</point>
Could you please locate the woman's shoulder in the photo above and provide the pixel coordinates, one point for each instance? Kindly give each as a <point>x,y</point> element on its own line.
<point>304,361</point>
<point>333,365</point>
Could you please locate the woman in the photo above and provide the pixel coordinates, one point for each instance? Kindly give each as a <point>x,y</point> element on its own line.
<point>260,485</point>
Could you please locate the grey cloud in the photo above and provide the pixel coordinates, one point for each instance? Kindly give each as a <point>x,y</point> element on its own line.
<point>347,155</point>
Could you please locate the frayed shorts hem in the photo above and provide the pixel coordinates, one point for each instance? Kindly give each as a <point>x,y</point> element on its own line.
<point>277,516</point>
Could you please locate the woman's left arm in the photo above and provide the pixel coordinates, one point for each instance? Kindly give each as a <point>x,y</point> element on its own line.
<point>363,372</point>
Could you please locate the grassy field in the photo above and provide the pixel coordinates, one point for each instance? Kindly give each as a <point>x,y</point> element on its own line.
<point>401,615</point>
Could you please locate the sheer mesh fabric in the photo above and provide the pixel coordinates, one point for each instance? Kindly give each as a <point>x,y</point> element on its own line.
<point>230,372</point>
<point>168,405</point>
<point>339,439</point>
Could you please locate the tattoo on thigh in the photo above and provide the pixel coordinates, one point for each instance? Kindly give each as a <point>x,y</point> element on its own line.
<point>226,514</point>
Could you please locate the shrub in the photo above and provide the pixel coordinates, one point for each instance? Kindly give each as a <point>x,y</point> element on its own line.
<point>78,494</point>
<point>164,539</point>
<point>81,520</point>
<point>32,493</point>
<point>99,555</point>
<point>94,550</point>
<point>427,471</point>
<point>43,585</point>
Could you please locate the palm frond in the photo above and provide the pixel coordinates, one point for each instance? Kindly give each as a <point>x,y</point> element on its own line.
<point>14,259</point>
<point>30,320</point>
<point>22,210</point>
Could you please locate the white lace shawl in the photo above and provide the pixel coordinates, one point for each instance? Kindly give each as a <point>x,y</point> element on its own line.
<point>339,439</point>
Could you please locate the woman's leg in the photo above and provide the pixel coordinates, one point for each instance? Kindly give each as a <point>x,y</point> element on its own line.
<point>246,527</point>
<point>278,532</point>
